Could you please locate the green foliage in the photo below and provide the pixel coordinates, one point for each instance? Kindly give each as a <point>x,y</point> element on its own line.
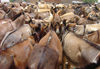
<point>90,1</point>
<point>11,0</point>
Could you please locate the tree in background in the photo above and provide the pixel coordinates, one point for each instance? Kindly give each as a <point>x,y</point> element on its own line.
<point>11,0</point>
<point>90,1</point>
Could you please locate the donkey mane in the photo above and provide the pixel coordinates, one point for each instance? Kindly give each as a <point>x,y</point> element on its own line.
<point>49,38</point>
<point>45,49</point>
<point>92,44</point>
<point>89,42</point>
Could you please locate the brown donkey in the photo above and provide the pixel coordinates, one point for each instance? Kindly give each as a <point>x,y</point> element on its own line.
<point>16,37</point>
<point>6,60</point>
<point>80,52</point>
<point>47,54</point>
<point>17,56</point>
<point>7,26</point>
<point>94,36</point>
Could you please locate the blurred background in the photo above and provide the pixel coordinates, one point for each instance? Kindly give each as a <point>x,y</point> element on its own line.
<point>58,1</point>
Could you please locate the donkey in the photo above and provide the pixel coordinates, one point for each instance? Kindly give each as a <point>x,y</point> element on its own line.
<point>93,36</point>
<point>80,52</point>
<point>7,26</point>
<point>21,53</point>
<point>49,51</point>
<point>16,37</point>
<point>6,61</point>
<point>17,56</point>
<point>85,29</point>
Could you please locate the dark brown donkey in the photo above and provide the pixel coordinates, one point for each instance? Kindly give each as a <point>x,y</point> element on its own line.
<point>47,54</point>
<point>80,52</point>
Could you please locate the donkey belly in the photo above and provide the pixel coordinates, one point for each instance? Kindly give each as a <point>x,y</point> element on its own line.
<point>73,54</point>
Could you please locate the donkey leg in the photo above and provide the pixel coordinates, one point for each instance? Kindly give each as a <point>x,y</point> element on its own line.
<point>64,62</point>
<point>69,66</point>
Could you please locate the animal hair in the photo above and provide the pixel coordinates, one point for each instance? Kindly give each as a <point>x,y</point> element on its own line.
<point>92,44</point>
